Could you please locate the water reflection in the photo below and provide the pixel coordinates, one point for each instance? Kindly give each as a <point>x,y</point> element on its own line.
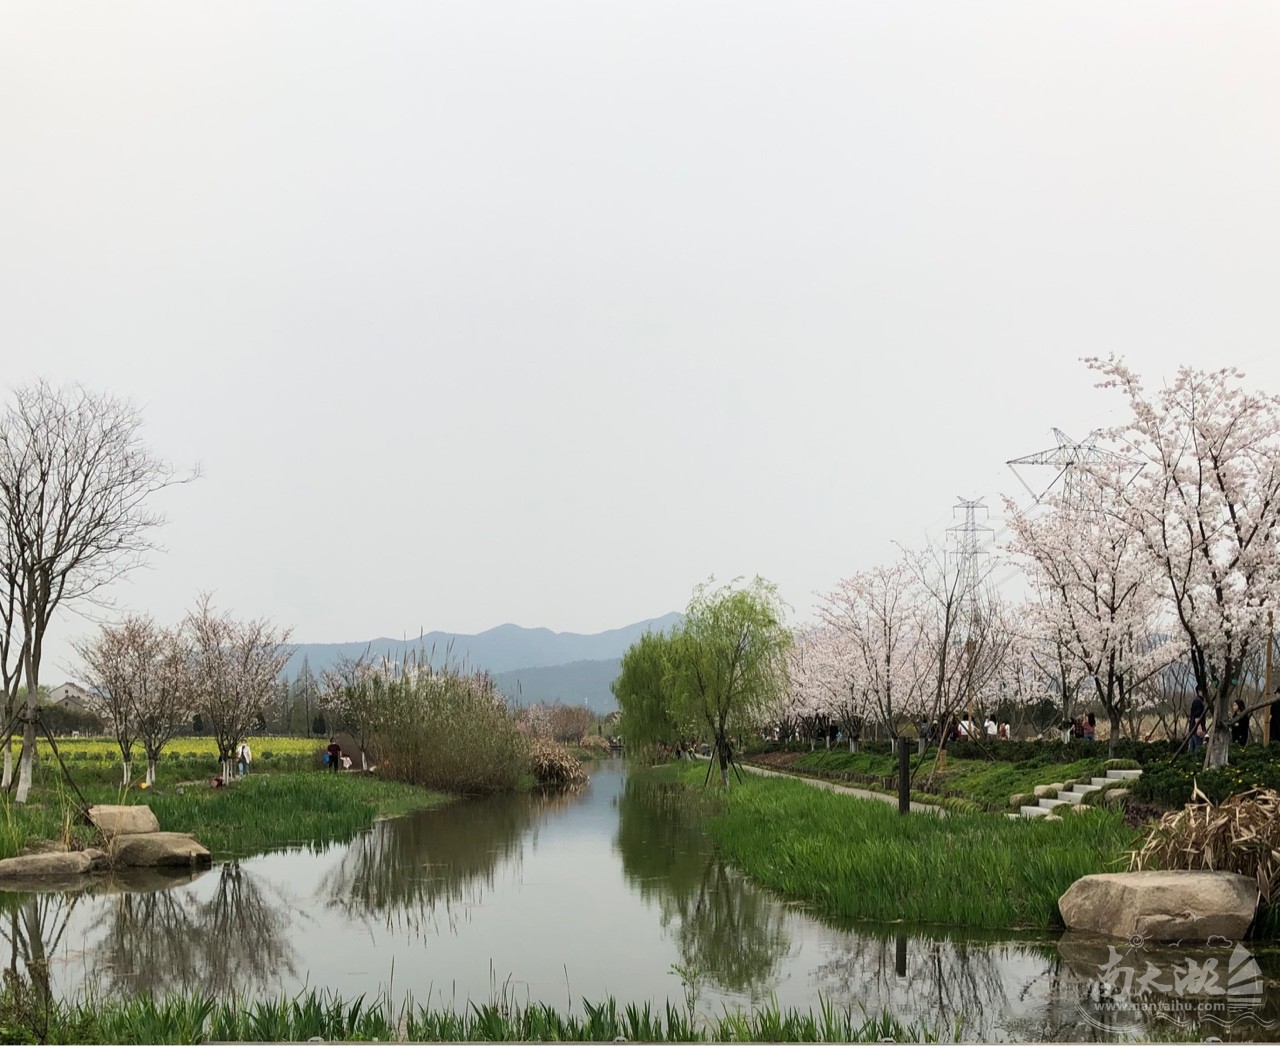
<point>413,873</point>
<point>233,934</point>
<point>34,926</point>
<point>728,932</point>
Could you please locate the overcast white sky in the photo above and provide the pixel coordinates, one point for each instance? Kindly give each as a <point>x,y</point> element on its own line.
<point>542,312</point>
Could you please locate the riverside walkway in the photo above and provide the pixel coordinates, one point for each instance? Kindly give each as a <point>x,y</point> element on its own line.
<point>830,786</point>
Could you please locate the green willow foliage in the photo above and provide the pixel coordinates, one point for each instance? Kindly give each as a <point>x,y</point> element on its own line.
<point>713,676</point>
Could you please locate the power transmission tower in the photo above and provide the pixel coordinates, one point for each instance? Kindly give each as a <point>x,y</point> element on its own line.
<point>1066,458</point>
<point>969,540</point>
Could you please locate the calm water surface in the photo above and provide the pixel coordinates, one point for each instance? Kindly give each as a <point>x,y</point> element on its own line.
<point>605,892</point>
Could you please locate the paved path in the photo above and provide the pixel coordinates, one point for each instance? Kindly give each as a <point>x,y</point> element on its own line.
<point>857,793</point>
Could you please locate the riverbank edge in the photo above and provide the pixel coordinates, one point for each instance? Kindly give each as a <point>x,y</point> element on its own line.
<point>259,814</point>
<point>798,841</point>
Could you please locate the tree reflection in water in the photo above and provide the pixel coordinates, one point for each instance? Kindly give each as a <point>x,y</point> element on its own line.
<point>173,940</point>
<point>33,925</point>
<point>728,932</point>
<point>412,872</point>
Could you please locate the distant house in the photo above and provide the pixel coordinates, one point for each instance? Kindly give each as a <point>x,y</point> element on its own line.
<point>71,697</point>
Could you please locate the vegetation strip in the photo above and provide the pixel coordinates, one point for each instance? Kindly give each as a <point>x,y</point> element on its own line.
<point>261,813</point>
<point>25,1016</point>
<point>865,861</point>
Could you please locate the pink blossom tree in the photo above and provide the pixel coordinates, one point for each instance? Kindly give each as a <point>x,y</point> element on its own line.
<point>1099,597</point>
<point>875,614</point>
<point>1206,507</point>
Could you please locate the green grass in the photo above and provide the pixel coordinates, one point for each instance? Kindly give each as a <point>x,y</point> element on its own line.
<point>269,811</point>
<point>987,783</point>
<point>24,1017</point>
<point>260,813</point>
<point>860,859</point>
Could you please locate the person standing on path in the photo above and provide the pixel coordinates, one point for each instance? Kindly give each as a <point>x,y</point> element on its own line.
<point>335,754</point>
<point>1195,722</point>
<point>243,758</point>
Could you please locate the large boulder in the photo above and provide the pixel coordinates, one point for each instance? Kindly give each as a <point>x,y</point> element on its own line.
<point>1161,906</point>
<point>159,850</point>
<point>123,820</point>
<point>52,865</point>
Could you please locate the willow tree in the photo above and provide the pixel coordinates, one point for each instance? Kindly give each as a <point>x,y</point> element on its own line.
<point>644,694</point>
<point>728,661</point>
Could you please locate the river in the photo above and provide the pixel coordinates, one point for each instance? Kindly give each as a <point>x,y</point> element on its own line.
<point>608,891</point>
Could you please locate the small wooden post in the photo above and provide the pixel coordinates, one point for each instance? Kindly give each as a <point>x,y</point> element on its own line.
<point>904,777</point>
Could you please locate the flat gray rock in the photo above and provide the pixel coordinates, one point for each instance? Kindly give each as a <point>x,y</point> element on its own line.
<point>1162,906</point>
<point>55,865</point>
<point>159,850</point>
<point>123,820</point>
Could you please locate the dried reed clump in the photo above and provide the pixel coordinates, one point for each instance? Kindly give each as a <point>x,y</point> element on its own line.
<point>553,765</point>
<point>1240,834</point>
<point>595,743</point>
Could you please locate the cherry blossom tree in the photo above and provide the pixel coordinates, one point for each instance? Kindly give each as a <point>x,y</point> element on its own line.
<point>876,615</point>
<point>138,685</point>
<point>234,664</point>
<point>1206,507</point>
<point>1099,597</point>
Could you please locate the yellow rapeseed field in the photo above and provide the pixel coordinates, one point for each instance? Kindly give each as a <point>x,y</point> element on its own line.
<point>104,748</point>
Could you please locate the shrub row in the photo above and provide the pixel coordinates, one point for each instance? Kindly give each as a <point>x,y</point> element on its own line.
<point>1169,783</point>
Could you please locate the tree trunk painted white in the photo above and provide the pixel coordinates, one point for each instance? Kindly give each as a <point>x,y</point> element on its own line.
<point>853,746</point>
<point>126,766</point>
<point>1218,748</point>
<point>7,780</point>
<point>151,773</point>
<point>26,761</point>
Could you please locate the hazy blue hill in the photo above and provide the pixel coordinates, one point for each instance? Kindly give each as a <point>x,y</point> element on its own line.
<point>579,682</point>
<point>504,649</point>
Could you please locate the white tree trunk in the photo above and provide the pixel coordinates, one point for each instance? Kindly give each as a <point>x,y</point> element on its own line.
<point>853,746</point>
<point>126,771</point>
<point>228,771</point>
<point>26,763</point>
<point>151,773</point>
<point>7,780</point>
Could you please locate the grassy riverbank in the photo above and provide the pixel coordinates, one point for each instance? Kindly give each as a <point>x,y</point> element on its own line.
<point>860,859</point>
<point>320,1015</point>
<point>989,784</point>
<point>260,813</point>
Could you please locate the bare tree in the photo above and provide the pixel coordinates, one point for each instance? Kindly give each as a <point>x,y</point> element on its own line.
<point>12,642</point>
<point>75,478</point>
<point>234,666</point>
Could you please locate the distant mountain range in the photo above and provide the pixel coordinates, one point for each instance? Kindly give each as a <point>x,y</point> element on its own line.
<point>528,664</point>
